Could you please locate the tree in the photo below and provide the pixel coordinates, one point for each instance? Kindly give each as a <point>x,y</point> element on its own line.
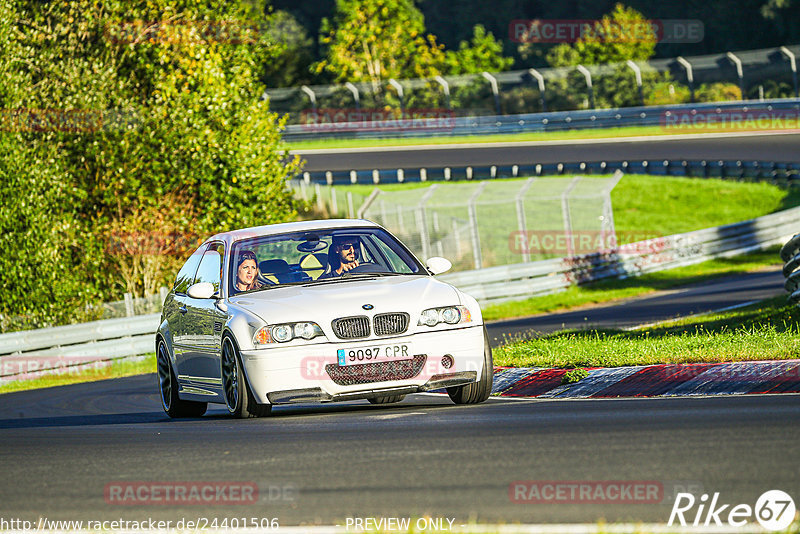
<point>623,35</point>
<point>375,40</point>
<point>617,37</point>
<point>118,106</point>
<point>482,53</point>
<point>292,65</point>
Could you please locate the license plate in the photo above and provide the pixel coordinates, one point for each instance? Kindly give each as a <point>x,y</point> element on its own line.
<point>375,353</point>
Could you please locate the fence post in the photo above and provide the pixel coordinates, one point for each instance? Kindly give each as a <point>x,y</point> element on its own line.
<point>129,311</point>
<point>354,90</point>
<point>399,88</point>
<point>422,222</point>
<point>334,203</point>
<point>318,193</point>
<point>588,75</point>
<point>793,65</point>
<point>350,211</point>
<point>473,227</point>
<point>400,222</point>
<point>608,211</point>
<point>689,76</point>
<point>565,216</point>
<point>493,82</point>
<point>311,96</point>
<point>457,238</point>
<point>739,72</point>
<point>539,78</point>
<point>521,222</point>
<point>445,88</point>
<point>638,73</point>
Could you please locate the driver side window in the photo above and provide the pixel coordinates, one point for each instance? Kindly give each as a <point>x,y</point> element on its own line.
<point>210,269</point>
<point>186,276</point>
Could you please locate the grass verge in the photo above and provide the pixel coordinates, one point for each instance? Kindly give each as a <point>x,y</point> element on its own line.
<point>769,330</point>
<point>612,290</point>
<point>600,133</point>
<point>116,370</point>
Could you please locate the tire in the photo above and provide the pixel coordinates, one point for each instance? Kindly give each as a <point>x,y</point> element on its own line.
<point>238,398</point>
<point>168,387</point>
<point>477,391</point>
<point>388,399</point>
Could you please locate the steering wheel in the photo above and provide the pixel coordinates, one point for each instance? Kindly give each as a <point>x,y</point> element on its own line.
<point>368,267</point>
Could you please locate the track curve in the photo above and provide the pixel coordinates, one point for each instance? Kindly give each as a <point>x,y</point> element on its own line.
<point>753,146</point>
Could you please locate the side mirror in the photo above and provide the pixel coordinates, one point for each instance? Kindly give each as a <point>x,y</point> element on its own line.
<point>202,290</point>
<point>438,265</point>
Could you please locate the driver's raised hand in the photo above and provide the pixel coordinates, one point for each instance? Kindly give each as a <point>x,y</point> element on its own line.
<point>348,266</point>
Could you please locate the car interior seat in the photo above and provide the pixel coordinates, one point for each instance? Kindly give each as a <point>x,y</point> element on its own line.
<point>275,271</point>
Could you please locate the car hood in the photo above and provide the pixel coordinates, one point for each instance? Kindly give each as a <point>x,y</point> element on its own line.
<point>324,302</point>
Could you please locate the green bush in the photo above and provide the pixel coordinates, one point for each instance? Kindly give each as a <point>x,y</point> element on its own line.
<point>718,92</point>
<point>135,112</point>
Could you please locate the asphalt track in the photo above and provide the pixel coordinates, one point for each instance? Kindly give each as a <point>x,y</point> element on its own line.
<point>60,448</point>
<point>425,456</point>
<point>718,294</point>
<point>752,146</point>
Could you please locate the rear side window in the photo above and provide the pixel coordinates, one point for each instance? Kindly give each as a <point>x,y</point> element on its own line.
<point>210,269</point>
<point>187,272</point>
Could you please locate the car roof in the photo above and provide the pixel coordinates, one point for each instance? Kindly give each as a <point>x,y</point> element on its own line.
<point>302,226</point>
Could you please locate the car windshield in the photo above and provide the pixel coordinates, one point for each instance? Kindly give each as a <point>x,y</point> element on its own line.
<point>317,257</point>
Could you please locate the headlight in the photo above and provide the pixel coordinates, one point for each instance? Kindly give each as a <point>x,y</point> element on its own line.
<point>283,333</point>
<point>449,315</point>
<point>429,317</point>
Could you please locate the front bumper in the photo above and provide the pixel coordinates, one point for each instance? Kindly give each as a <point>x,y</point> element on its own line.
<point>310,373</point>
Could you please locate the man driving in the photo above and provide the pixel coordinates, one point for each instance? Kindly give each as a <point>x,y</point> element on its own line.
<point>343,255</point>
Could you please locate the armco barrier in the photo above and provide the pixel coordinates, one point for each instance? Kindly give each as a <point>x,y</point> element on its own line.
<point>790,254</point>
<point>544,122</point>
<point>111,339</point>
<point>510,282</point>
<point>780,173</point>
<point>74,345</point>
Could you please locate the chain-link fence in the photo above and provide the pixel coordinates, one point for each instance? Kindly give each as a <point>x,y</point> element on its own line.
<point>487,223</point>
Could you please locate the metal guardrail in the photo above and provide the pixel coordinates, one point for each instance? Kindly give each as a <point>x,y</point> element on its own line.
<point>509,282</point>
<point>790,254</point>
<point>536,122</point>
<point>782,173</point>
<point>33,352</point>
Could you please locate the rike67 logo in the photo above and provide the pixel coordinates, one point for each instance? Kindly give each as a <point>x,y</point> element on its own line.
<point>774,510</point>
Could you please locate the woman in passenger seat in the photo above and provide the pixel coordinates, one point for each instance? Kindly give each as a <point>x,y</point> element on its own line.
<point>247,272</point>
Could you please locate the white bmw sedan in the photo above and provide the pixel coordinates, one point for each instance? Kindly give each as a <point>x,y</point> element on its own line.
<point>316,311</point>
